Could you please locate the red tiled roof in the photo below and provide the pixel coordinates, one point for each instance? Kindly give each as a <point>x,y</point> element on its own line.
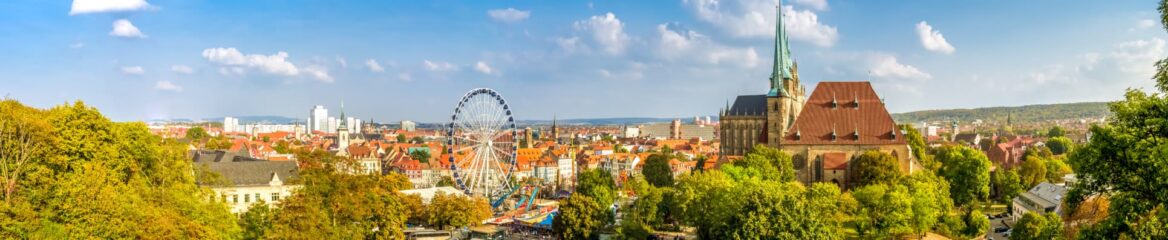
<point>858,109</point>
<point>835,161</point>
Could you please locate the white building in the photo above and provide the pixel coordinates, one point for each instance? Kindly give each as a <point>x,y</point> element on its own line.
<point>409,126</point>
<point>1042,199</point>
<point>231,124</point>
<point>331,125</point>
<point>317,119</point>
<point>251,181</point>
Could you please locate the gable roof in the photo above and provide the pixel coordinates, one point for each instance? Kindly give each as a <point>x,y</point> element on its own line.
<point>858,117</point>
<point>254,173</point>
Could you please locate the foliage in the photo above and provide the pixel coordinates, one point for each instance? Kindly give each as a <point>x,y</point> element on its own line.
<point>873,167</point>
<point>421,156</point>
<point>1056,131</point>
<point>418,140</point>
<point>1007,184</point>
<point>1060,145</point>
<point>456,211</point>
<point>598,185</point>
<point>218,143</point>
<point>1021,114</point>
<point>197,134</point>
<point>445,181</point>
<point>657,170</point>
<point>976,223</point>
<point>401,138</point>
<point>639,219</point>
<point>1032,171</point>
<point>93,178</point>
<point>580,216</point>
<point>722,207</point>
<point>885,211</point>
<point>767,163</point>
<point>257,220</point>
<point>1056,168</point>
<point>967,171</point>
<point>701,163</point>
<point>331,204</point>
<point>1035,226</point>
<point>919,148</point>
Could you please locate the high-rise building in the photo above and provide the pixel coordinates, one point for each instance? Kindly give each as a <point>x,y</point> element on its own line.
<point>231,124</point>
<point>318,119</point>
<point>331,125</point>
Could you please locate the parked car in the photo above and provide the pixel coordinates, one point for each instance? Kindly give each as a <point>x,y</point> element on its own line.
<point>1001,229</point>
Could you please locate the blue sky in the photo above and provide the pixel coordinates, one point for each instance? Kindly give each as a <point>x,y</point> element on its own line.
<point>395,60</point>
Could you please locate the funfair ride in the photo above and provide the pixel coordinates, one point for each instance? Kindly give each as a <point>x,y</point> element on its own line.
<point>481,144</point>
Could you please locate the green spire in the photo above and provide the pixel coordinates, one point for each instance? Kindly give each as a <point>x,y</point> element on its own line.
<point>782,62</point>
<point>342,125</point>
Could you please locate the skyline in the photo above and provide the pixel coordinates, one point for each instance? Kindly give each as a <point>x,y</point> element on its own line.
<point>413,60</point>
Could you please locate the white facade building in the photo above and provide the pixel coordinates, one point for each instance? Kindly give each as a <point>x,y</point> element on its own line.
<point>409,126</point>
<point>253,181</point>
<point>317,118</point>
<point>231,124</point>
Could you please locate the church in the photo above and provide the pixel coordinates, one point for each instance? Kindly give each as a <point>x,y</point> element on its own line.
<point>823,132</point>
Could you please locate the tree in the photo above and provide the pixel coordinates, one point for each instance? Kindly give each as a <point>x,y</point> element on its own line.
<point>580,216</point>
<point>446,181</point>
<point>1007,184</point>
<point>1038,226</point>
<point>930,200</point>
<point>874,167</point>
<point>1056,168</point>
<point>701,163</point>
<point>332,204</point>
<point>885,211</point>
<point>256,221</point>
<point>401,138</point>
<point>218,143</point>
<point>197,134</point>
<point>1033,171</point>
<point>456,211</point>
<point>723,207</point>
<point>598,185</point>
<point>1060,145</point>
<point>639,219</point>
<point>24,139</point>
<point>418,140</point>
<point>919,149</point>
<point>421,156</point>
<point>967,171</point>
<point>657,170</point>
<point>976,223</point>
<point>767,163</point>
<point>1056,131</point>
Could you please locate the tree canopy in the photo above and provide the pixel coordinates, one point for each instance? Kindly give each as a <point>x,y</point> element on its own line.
<point>967,171</point>
<point>873,167</point>
<point>1034,226</point>
<point>657,170</point>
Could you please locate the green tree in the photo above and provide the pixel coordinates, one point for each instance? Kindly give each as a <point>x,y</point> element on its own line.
<point>767,163</point>
<point>930,200</point>
<point>197,134</point>
<point>401,138</point>
<point>331,204</point>
<point>1035,226</point>
<point>1032,171</point>
<point>885,211</point>
<point>657,170</point>
<point>421,156</point>
<point>701,163</point>
<point>1056,168</point>
<point>967,171</point>
<point>418,140</point>
<point>580,217</point>
<point>446,181</point>
<point>639,219</point>
<point>256,221</point>
<point>919,148</point>
<point>1056,131</point>
<point>218,143</point>
<point>598,185</point>
<point>1060,145</point>
<point>722,207</point>
<point>1007,184</point>
<point>976,223</point>
<point>456,211</point>
<point>873,167</point>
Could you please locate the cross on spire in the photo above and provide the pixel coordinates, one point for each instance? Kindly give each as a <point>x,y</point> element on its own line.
<point>782,61</point>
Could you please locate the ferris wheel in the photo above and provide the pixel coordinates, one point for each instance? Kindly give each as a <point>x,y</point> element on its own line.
<point>481,144</point>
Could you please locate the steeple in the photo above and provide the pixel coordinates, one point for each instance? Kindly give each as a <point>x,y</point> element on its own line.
<point>343,125</point>
<point>782,61</point>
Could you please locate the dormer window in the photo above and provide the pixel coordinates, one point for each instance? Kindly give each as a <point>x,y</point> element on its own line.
<point>856,135</point>
<point>833,103</point>
<point>798,135</point>
<point>833,135</point>
<point>856,102</point>
<point>894,134</point>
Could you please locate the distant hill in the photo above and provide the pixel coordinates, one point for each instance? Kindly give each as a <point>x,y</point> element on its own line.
<point>1021,114</point>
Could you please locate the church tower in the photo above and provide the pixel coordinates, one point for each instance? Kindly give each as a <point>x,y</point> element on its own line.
<point>343,132</point>
<point>786,96</point>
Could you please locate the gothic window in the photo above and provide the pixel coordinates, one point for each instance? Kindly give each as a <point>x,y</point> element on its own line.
<point>800,161</point>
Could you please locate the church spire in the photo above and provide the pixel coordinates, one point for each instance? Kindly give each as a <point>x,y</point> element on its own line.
<point>343,125</point>
<point>782,61</point>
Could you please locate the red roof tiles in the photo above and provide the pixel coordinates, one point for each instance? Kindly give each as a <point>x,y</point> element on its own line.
<point>857,116</point>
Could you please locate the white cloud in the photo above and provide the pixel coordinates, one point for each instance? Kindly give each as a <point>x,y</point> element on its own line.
<point>818,5</point>
<point>167,86</point>
<point>686,44</point>
<point>99,6</point>
<point>439,66</point>
<point>1136,57</point>
<point>77,45</point>
<point>571,45</point>
<point>607,31</point>
<point>182,69</point>
<point>482,67</point>
<point>133,70</point>
<point>932,40</point>
<point>342,62</point>
<point>232,71</point>
<point>756,19</point>
<point>885,65</point>
<point>509,15</point>
<point>125,29</point>
<point>274,64</point>
<point>374,66</point>
<point>320,73</point>
<point>1146,23</point>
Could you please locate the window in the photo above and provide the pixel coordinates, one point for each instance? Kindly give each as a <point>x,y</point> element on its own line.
<point>275,196</point>
<point>224,197</point>
<point>234,198</point>
<point>257,196</point>
<point>246,198</point>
